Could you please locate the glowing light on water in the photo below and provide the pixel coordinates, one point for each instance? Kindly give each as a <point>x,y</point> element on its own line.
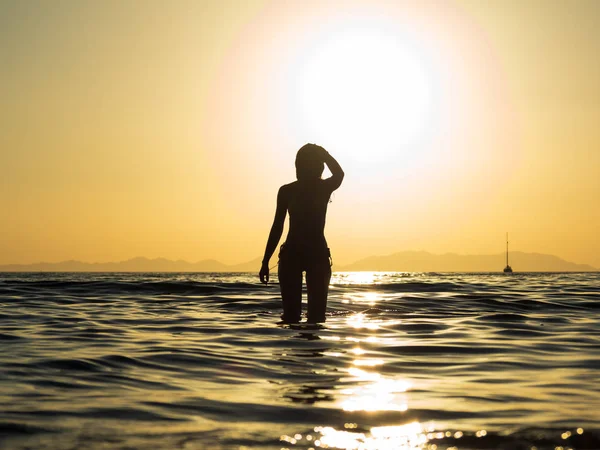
<point>361,321</point>
<point>409,436</point>
<point>381,394</point>
<point>413,428</point>
<point>402,437</point>
<point>359,277</point>
<point>368,277</point>
<point>367,362</point>
<point>371,298</point>
<point>363,375</point>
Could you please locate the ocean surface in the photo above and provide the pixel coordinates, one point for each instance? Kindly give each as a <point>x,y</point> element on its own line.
<point>199,361</point>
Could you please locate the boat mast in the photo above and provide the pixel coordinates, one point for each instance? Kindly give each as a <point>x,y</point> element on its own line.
<point>506,249</point>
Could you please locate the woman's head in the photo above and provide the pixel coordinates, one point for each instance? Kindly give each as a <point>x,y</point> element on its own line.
<point>309,162</point>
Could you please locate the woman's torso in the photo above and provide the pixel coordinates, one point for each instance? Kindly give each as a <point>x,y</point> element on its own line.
<point>307,207</point>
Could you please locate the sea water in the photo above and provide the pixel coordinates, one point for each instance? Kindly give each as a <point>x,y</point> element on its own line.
<point>404,361</point>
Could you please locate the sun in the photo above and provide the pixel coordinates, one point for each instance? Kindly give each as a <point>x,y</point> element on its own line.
<point>364,90</point>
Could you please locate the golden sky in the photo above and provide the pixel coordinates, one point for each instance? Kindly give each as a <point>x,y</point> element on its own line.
<point>164,129</point>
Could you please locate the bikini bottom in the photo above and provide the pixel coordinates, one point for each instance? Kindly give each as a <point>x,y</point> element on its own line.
<point>316,262</point>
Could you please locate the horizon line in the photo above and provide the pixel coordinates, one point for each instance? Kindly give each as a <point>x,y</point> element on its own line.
<point>214,260</point>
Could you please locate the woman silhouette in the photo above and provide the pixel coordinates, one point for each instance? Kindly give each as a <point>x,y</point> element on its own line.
<point>305,248</point>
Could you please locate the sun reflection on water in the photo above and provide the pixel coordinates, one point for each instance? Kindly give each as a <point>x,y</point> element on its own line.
<point>365,389</point>
<point>369,277</point>
<point>367,362</point>
<point>357,277</point>
<point>410,436</point>
<point>360,320</point>
<point>378,394</point>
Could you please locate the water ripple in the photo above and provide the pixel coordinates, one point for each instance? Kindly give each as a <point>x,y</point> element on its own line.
<point>404,361</point>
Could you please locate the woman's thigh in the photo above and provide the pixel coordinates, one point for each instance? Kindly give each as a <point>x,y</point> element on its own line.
<point>318,276</point>
<point>290,283</point>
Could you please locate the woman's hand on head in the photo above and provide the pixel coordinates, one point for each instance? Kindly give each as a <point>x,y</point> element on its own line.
<point>322,153</point>
<point>264,273</point>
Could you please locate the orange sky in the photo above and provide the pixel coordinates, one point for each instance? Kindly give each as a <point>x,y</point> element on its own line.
<point>165,128</point>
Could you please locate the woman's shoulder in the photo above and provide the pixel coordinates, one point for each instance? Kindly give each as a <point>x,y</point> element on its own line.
<point>315,186</point>
<point>286,190</point>
<point>289,186</point>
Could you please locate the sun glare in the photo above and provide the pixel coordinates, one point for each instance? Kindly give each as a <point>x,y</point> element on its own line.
<point>364,88</point>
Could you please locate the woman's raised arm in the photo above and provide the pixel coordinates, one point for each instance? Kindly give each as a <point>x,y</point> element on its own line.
<point>337,174</point>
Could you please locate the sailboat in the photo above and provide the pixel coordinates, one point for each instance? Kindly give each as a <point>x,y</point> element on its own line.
<point>507,269</point>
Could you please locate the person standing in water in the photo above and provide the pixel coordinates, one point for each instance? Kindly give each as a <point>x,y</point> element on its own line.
<point>305,248</point>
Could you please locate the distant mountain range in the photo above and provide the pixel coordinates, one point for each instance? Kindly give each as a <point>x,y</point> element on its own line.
<point>139,264</point>
<point>451,262</point>
<point>408,261</point>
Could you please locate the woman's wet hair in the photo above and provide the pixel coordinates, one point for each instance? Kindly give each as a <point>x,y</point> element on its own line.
<point>309,162</point>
